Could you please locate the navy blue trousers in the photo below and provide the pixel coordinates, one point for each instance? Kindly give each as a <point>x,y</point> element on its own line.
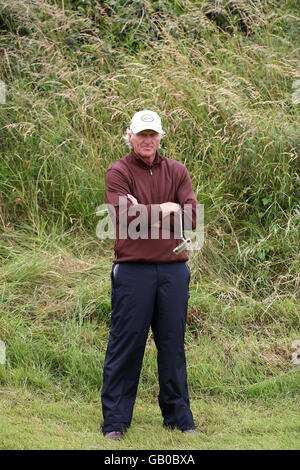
<point>147,295</point>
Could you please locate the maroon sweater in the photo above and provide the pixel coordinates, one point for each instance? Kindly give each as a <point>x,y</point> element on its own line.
<point>166,180</point>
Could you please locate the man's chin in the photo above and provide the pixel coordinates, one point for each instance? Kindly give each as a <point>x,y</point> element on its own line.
<point>148,152</point>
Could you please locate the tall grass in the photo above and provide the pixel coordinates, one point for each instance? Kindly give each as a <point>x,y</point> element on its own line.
<point>221,76</point>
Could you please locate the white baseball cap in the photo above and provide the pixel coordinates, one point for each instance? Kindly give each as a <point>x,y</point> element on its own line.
<point>144,120</point>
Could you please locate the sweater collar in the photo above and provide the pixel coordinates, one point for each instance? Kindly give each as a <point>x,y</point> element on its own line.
<point>137,159</point>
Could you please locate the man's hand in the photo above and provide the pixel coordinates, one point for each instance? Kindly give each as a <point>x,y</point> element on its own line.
<point>132,199</point>
<point>168,207</point>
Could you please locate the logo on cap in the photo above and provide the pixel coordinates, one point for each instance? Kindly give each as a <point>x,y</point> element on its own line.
<point>147,118</point>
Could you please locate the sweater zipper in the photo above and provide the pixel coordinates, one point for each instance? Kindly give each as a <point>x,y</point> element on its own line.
<point>150,172</point>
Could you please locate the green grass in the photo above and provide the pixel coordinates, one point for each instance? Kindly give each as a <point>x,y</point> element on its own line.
<point>55,305</point>
<point>224,82</point>
<point>55,317</point>
<point>30,421</point>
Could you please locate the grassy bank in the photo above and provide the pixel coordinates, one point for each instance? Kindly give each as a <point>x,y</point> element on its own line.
<point>55,304</point>
<point>225,79</point>
<point>227,100</point>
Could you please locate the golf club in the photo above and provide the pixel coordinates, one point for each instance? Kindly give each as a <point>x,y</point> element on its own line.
<point>178,249</point>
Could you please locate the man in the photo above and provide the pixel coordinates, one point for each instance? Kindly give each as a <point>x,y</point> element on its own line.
<point>149,281</point>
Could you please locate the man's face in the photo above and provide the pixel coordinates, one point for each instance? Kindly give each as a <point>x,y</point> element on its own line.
<point>145,143</point>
